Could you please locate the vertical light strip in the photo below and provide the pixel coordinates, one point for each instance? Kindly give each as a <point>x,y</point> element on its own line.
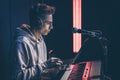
<point>77,8</point>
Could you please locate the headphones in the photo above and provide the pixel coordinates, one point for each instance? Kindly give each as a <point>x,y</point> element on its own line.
<point>36,21</point>
<point>38,13</point>
<point>39,23</point>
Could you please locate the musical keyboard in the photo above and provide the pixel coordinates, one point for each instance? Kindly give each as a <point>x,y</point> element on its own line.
<point>83,71</point>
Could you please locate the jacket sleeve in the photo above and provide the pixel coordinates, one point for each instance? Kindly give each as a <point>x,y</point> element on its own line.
<point>22,69</point>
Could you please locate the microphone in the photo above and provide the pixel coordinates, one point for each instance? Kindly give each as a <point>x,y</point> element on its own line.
<point>86,32</point>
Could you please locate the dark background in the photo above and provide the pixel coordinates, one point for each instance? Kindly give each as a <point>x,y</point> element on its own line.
<point>96,15</point>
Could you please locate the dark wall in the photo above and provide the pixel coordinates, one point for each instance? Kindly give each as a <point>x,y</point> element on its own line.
<point>12,14</point>
<point>104,15</point>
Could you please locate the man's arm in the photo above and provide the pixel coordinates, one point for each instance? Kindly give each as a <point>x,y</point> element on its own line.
<point>22,69</point>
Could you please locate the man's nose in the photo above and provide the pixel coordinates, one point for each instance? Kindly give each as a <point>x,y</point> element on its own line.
<point>51,26</point>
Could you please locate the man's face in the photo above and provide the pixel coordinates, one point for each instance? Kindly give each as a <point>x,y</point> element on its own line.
<point>47,25</point>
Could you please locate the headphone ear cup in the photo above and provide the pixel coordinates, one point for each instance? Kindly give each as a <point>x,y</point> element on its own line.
<point>39,23</point>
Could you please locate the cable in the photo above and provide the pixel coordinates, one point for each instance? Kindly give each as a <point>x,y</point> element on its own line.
<point>107,77</point>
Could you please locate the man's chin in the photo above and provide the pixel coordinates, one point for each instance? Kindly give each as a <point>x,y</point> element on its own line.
<point>45,33</point>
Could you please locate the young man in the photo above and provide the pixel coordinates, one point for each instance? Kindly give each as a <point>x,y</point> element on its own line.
<point>29,59</point>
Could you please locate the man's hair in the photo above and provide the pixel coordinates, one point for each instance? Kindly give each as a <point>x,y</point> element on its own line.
<point>38,12</point>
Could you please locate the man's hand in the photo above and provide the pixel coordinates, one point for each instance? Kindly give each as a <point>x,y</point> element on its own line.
<point>53,62</point>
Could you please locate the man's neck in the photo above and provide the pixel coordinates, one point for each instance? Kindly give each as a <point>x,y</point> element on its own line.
<point>36,34</point>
